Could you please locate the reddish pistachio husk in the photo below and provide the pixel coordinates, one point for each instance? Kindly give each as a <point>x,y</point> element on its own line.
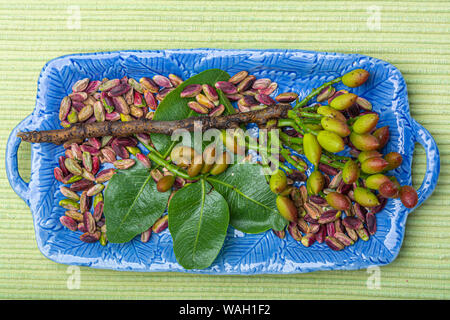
<point>280,234</point>
<point>124,164</point>
<point>371,222</point>
<point>161,224</point>
<point>97,188</point>
<point>331,229</point>
<point>69,223</point>
<point>145,236</point>
<point>308,239</point>
<point>313,228</point>
<point>144,160</point>
<point>343,101</point>
<point>329,112</point>
<point>363,234</point>
<point>175,80</point>
<point>197,107</point>
<point>64,108</point>
<point>98,211</point>
<point>58,173</point>
<point>344,239</point>
<point>89,222</point>
<point>382,134</point>
<point>365,123</point>
<point>294,232</point>
<point>352,223</point>
<point>113,116</point>
<point>355,78</point>
<point>360,212</point>
<point>162,81</point>
<point>87,175</point>
<point>329,170</point>
<point>286,97</point>
<point>139,101</point>
<point>318,200</point>
<point>330,141</point>
<point>329,216</point>
<point>334,125</point>
<point>363,104</point>
<point>150,100</point>
<point>325,94</point>
<point>333,243</point>
<point>80,85</point>
<point>235,97</point>
<point>119,90</point>
<point>376,180</point>
<point>364,142</point>
<point>211,94</point>
<point>321,234</point>
<point>365,197</point>
<point>389,189</point>
<point>394,160</point>
<point>78,96</point>
<point>338,201</point>
<point>336,181</point>
<point>315,182</point>
<point>246,83</point>
<point>73,166</point>
<point>312,210</point>
<point>264,99</point>
<point>69,204</point>
<point>120,105</point>
<point>90,237</point>
<point>75,215</point>
<point>135,85</point>
<point>204,101</point>
<point>149,84</point>
<point>109,84</point>
<point>191,91</point>
<point>165,183</point>
<point>408,196</point>
<point>364,155</point>
<point>270,89</point>
<point>238,77</point>
<point>226,87</point>
<point>262,83</point>
<point>350,172</point>
<point>374,165</point>
<point>286,208</point>
<point>217,111</point>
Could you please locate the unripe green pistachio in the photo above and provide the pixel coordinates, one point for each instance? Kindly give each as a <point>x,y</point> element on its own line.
<point>355,78</point>
<point>182,155</point>
<point>278,181</point>
<point>374,181</point>
<point>330,141</point>
<point>334,125</point>
<point>374,165</point>
<point>222,163</point>
<point>364,142</point>
<point>165,183</point>
<point>365,123</point>
<point>329,112</point>
<point>338,201</point>
<point>408,196</point>
<point>364,155</point>
<point>365,197</point>
<point>394,160</point>
<point>233,141</point>
<point>313,126</point>
<point>209,156</point>
<point>287,208</point>
<point>315,182</point>
<point>196,166</point>
<point>350,172</point>
<point>382,134</point>
<point>344,101</point>
<point>312,148</point>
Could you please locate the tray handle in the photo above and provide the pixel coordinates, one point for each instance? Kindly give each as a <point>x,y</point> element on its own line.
<point>422,136</point>
<point>12,171</point>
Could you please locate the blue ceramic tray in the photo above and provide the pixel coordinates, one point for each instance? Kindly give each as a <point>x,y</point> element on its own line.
<point>293,70</point>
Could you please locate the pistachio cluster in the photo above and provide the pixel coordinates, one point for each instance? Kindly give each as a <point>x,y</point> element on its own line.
<point>79,171</point>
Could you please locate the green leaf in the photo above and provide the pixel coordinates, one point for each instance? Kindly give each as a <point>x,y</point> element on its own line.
<point>132,203</point>
<point>173,107</point>
<point>198,222</point>
<point>252,203</point>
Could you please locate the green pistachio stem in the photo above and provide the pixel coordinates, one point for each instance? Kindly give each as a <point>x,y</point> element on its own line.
<point>315,92</point>
<point>286,155</point>
<point>299,122</point>
<point>290,140</point>
<point>169,166</point>
<point>309,115</point>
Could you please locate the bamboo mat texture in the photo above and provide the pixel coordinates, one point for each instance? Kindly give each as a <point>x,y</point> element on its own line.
<point>412,35</point>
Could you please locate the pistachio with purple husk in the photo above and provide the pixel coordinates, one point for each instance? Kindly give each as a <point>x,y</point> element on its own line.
<point>364,142</point>
<point>374,165</point>
<point>338,201</point>
<point>408,196</point>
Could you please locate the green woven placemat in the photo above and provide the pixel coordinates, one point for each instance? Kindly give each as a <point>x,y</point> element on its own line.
<point>412,35</point>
